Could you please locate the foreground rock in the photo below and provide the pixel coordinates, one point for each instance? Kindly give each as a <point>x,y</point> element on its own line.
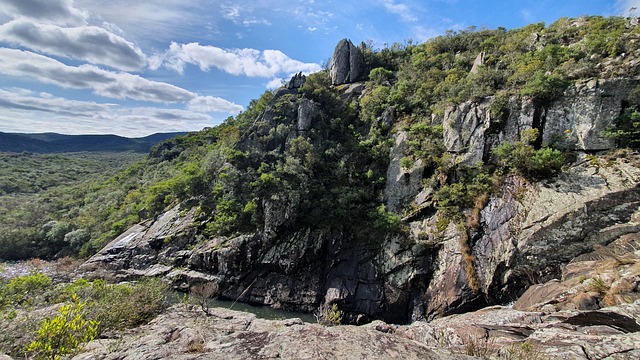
<point>183,333</point>
<point>497,332</point>
<point>505,333</point>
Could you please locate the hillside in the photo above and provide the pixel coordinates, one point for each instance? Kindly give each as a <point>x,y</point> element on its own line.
<point>57,143</point>
<point>453,160</point>
<point>404,184</point>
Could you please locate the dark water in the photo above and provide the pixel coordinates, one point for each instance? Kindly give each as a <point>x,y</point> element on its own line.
<point>262,312</point>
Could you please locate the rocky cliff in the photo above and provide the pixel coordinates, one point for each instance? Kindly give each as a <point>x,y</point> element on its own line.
<point>319,165</point>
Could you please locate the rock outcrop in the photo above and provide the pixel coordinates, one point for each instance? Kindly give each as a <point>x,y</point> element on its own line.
<point>526,231</point>
<point>183,333</point>
<point>576,121</point>
<point>347,63</point>
<point>495,332</point>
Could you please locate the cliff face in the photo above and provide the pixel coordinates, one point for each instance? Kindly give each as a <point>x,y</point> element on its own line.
<point>575,121</point>
<point>526,232</point>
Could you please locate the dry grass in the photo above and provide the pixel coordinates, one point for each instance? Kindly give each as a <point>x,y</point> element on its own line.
<point>473,219</point>
<point>468,259</point>
<point>596,284</point>
<point>202,293</point>
<point>479,346</point>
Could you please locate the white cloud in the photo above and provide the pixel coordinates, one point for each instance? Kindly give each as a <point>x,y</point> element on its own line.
<point>149,21</point>
<point>248,62</point>
<point>88,43</point>
<point>230,12</point>
<point>23,99</point>
<point>117,85</point>
<point>22,112</point>
<point>208,104</point>
<point>61,12</point>
<point>400,9</point>
<point>275,83</point>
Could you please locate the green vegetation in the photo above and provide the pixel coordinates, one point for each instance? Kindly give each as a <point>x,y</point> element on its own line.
<point>41,197</point>
<point>89,309</point>
<point>522,157</point>
<point>23,290</point>
<point>329,315</point>
<point>242,174</point>
<point>626,132</point>
<point>65,333</point>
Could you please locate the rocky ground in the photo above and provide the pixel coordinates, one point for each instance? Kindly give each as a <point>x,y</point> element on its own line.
<point>590,312</point>
<point>498,332</point>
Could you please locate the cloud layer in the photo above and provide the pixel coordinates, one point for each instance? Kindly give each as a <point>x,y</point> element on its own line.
<point>28,111</point>
<point>247,62</point>
<point>87,43</point>
<point>59,12</point>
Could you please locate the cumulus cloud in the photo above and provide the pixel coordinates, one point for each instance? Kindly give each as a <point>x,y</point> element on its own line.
<point>22,112</point>
<point>275,83</point>
<point>104,83</point>
<point>88,43</point>
<point>207,104</point>
<point>400,9</point>
<point>117,85</point>
<point>61,12</point>
<point>248,62</point>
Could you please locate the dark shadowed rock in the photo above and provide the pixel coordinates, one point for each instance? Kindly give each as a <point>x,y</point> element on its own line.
<point>297,81</point>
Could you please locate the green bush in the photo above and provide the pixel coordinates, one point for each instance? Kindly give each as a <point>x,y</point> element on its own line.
<point>24,290</point>
<point>127,305</point>
<point>626,132</point>
<point>545,88</point>
<point>329,315</point>
<point>522,157</point>
<point>65,334</point>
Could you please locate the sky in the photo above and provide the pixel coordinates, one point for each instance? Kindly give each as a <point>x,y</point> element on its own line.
<point>134,68</point>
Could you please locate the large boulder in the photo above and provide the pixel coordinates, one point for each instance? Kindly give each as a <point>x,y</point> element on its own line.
<point>347,63</point>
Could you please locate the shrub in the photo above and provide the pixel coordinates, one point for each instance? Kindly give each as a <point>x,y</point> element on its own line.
<point>202,293</point>
<point>626,132</point>
<point>129,305</point>
<point>329,315</point>
<point>380,76</point>
<point>527,161</point>
<point>23,290</point>
<point>64,334</point>
<point>545,88</point>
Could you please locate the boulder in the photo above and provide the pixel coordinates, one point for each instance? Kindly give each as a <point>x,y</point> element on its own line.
<point>347,63</point>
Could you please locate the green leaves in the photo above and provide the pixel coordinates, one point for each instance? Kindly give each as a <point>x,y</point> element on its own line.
<point>522,157</point>
<point>65,333</point>
<point>23,290</point>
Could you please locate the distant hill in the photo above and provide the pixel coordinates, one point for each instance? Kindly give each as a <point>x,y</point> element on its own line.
<point>58,143</point>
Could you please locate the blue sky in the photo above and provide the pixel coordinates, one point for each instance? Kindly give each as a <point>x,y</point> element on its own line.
<point>134,68</point>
